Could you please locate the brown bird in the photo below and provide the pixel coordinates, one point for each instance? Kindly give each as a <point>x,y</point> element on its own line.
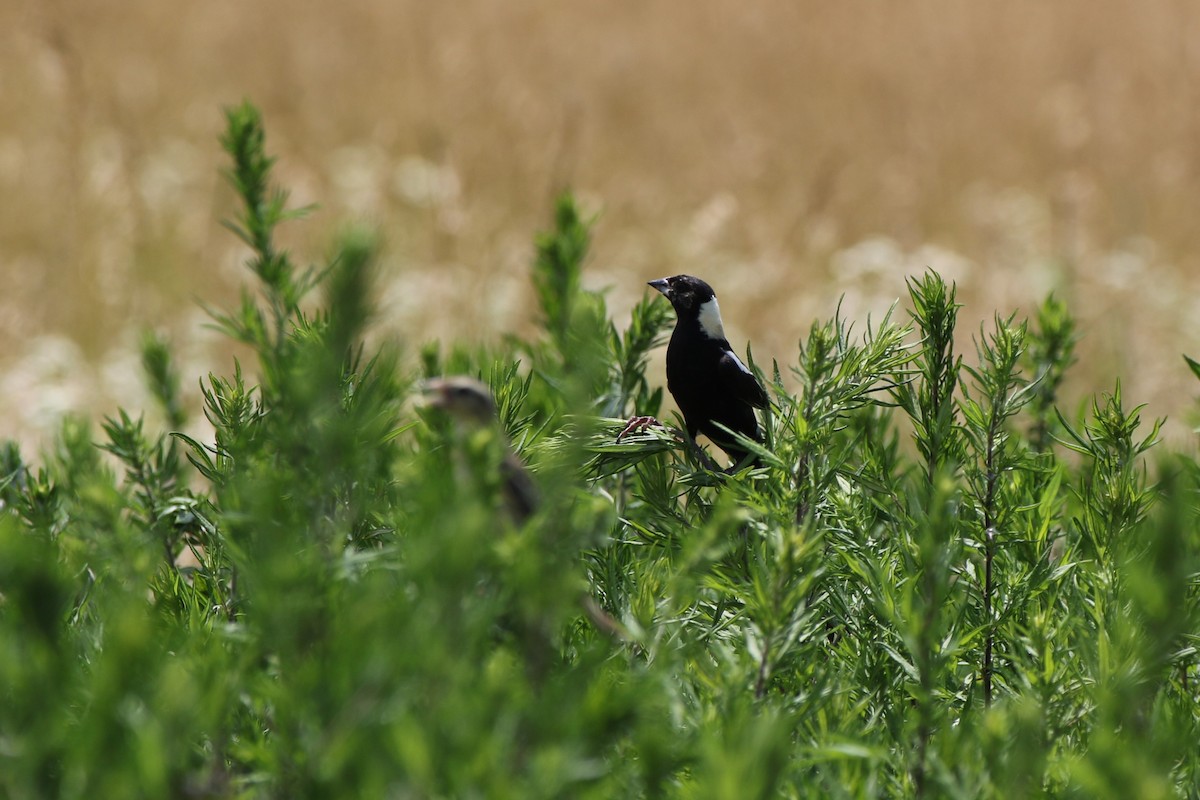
<point>470,404</point>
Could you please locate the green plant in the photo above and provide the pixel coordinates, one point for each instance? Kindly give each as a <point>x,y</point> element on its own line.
<point>935,584</point>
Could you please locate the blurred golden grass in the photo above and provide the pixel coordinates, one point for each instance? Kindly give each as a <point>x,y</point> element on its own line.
<point>790,152</point>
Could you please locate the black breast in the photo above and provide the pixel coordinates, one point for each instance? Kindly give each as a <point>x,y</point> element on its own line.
<point>700,380</point>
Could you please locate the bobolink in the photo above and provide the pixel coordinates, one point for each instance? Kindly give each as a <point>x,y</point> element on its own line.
<point>470,403</point>
<point>709,382</point>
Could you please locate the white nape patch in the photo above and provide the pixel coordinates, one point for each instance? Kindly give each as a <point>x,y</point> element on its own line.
<point>710,319</point>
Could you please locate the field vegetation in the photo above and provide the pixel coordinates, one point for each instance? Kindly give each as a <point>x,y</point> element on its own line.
<point>792,153</point>
<point>941,582</point>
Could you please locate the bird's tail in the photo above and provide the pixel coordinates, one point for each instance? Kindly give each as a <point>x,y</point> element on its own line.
<point>743,460</point>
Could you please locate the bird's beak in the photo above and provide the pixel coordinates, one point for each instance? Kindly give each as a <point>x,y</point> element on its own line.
<point>662,285</point>
<point>434,393</point>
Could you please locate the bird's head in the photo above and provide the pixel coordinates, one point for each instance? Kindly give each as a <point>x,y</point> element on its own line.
<point>460,397</point>
<point>693,300</point>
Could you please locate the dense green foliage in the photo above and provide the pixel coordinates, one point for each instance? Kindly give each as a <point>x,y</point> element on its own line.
<point>935,585</point>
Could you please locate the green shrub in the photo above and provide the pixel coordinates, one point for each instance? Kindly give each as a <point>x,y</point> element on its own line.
<point>935,585</point>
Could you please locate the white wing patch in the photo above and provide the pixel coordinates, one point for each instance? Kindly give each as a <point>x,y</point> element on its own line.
<point>741,366</point>
<point>710,322</point>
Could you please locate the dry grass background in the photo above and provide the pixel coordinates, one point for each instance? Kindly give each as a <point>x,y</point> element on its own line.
<point>789,151</point>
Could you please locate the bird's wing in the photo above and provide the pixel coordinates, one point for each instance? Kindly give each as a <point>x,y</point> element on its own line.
<point>520,492</point>
<point>741,380</point>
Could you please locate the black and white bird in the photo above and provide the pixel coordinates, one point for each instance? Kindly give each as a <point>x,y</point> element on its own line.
<point>709,382</point>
